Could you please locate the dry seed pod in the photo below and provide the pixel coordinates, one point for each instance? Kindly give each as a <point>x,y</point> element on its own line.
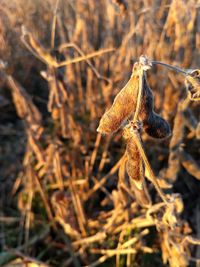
<point>135,169</point>
<point>153,124</point>
<point>192,82</point>
<point>124,103</point>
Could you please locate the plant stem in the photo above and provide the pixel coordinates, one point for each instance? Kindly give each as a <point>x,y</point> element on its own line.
<point>139,97</point>
<point>170,67</point>
<point>53,29</point>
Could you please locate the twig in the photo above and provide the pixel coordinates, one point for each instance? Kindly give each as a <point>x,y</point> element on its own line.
<point>78,208</point>
<point>112,252</point>
<point>133,240</point>
<point>139,222</point>
<point>139,96</point>
<point>94,152</point>
<point>191,240</point>
<point>28,259</point>
<point>45,201</point>
<point>73,255</point>
<point>7,256</point>
<point>99,261</point>
<point>104,179</point>
<point>169,66</point>
<point>40,52</point>
<point>98,75</point>
<point>82,58</point>
<point>90,239</point>
<point>53,29</point>
<point>104,154</point>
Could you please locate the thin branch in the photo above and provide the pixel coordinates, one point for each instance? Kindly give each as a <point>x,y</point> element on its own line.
<point>41,53</point>
<point>82,58</point>
<point>169,67</point>
<point>139,96</point>
<point>53,29</point>
<point>98,75</point>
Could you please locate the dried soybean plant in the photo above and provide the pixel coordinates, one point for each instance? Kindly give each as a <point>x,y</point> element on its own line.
<point>136,99</point>
<point>69,178</point>
<point>133,112</point>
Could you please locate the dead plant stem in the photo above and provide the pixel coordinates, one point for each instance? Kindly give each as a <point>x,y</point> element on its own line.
<point>169,67</point>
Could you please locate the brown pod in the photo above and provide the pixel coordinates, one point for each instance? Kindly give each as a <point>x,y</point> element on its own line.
<point>153,124</point>
<point>124,104</point>
<point>192,82</point>
<point>135,170</point>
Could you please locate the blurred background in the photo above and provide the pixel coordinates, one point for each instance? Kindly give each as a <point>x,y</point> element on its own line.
<point>60,199</point>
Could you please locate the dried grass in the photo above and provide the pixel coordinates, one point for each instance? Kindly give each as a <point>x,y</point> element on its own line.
<point>76,205</point>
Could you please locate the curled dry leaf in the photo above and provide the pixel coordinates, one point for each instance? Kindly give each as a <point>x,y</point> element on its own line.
<point>192,82</point>
<point>135,169</point>
<point>153,124</point>
<point>124,103</point>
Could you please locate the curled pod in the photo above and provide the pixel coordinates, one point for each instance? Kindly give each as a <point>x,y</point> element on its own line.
<point>135,170</point>
<point>153,124</point>
<point>124,103</point>
<point>192,82</point>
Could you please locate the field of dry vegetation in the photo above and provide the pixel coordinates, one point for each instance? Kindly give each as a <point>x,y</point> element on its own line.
<point>129,193</point>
